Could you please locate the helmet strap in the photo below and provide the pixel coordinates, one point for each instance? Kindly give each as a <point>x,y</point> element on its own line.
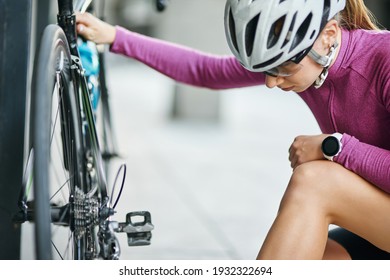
<point>324,61</point>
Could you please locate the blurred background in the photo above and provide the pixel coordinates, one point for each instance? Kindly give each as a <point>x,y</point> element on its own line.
<point>210,166</point>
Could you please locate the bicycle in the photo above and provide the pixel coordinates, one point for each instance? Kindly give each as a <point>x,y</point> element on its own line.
<point>71,209</point>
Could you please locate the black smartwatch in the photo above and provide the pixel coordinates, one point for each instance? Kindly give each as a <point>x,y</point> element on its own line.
<point>331,146</point>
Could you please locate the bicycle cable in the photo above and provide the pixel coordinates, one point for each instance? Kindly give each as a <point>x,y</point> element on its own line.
<point>123,166</point>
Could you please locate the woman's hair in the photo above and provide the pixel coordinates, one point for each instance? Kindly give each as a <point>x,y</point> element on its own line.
<point>357,16</point>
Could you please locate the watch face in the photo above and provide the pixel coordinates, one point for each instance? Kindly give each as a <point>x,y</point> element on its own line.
<point>330,146</point>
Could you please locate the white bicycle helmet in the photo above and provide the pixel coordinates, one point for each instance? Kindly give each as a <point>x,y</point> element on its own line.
<point>264,34</point>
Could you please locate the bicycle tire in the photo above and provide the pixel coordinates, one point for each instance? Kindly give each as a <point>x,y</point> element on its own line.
<point>57,142</point>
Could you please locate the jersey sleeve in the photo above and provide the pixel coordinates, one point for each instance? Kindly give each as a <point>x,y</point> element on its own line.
<point>369,162</point>
<point>185,64</point>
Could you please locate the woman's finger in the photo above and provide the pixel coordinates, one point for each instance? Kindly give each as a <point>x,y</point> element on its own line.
<point>80,28</point>
<point>83,30</point>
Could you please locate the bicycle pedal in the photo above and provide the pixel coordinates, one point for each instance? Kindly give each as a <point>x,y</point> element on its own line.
<point>138,232</point>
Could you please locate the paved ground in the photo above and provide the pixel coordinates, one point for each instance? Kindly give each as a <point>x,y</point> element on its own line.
<point>213,188</point>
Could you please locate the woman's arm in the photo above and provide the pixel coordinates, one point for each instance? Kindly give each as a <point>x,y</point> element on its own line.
<point>184,64</point>
<point>370,162</point>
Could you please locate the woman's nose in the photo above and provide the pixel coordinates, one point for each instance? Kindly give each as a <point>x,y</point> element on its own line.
<point>271,81</point>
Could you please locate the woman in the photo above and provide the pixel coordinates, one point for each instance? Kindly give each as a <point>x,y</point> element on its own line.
<point>336,59</point>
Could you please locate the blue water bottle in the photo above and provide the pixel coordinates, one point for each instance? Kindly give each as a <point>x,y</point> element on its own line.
<point>90,62</point>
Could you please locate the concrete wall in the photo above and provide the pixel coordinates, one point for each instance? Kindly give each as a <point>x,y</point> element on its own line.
<point>198,24</point>
<point>15,18</point>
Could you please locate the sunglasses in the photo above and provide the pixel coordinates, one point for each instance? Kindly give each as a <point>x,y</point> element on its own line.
<point>288,68</point>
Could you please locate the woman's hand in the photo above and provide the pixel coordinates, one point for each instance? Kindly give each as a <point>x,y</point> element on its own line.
<point>306,148</point>
<point>94,29</point>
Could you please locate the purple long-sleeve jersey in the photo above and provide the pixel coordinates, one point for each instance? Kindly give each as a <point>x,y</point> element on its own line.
<point>354,100</point>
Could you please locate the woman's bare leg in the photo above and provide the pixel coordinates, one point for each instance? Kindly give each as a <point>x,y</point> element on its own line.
<point>321,193</point>
<point>334,251</point>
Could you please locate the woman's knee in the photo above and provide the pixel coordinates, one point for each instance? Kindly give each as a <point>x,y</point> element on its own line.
<point>311,183</point>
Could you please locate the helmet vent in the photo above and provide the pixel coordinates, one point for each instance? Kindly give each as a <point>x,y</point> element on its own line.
<point>325,14</point>
<point>312,34</point>
<point>301,32</point>
<point>250,33</point>
<point>268,62</point>
<point>288,36</point>
<point>232,29</point>
<point>275,31</point>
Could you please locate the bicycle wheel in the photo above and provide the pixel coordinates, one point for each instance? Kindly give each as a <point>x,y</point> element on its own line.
<point>58,150</point>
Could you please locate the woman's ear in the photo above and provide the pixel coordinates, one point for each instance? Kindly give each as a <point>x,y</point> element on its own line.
<point>329,34</point>
<point>327,38</point>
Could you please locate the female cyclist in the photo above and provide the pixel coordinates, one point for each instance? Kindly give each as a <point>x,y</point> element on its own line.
<point>338,61</point>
